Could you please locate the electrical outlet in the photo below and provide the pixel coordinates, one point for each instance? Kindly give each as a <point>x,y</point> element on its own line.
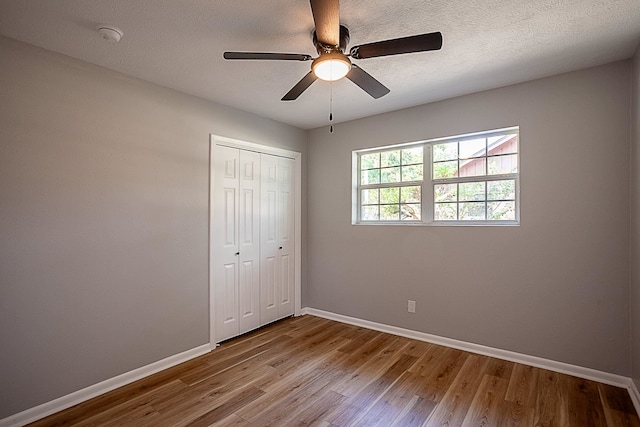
<point>411,306</point>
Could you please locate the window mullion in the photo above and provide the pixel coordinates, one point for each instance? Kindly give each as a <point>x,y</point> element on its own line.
<point>427,185</point>
<point>476,178</point>
<point>358,178</point>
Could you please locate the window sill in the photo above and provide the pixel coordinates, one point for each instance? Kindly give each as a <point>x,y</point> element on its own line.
<point>442,223</point>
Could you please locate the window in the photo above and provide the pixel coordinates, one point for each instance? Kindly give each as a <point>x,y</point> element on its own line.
<point>465,180</point>
<point>391,182</point>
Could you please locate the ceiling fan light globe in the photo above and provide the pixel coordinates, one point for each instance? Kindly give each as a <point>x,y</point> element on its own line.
<point>331,66</point>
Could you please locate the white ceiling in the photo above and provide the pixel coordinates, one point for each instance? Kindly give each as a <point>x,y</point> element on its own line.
<point>179,44</point>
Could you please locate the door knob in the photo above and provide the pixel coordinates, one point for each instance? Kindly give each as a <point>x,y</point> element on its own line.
<point>237,253</point>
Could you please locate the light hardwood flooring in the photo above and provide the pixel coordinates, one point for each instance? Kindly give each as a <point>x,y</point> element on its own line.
<point>312,371</point>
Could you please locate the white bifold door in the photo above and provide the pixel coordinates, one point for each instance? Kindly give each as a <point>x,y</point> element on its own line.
<point>253,249</point>
<point>277,266</point>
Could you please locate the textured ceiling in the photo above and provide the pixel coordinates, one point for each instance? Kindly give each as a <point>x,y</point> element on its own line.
<point>179,44</point>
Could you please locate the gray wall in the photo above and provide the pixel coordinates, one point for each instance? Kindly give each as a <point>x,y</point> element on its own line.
<point>635,223</point>
<point>103,221</point>
<point>554,287</point>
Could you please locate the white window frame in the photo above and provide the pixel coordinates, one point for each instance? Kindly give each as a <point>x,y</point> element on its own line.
<point>428,183</point>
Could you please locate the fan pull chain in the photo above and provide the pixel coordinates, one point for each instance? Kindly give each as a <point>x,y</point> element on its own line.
<point>331,107</point>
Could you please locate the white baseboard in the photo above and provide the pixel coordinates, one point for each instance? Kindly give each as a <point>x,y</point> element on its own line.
<point>64,402</point>
<point>538,362</point>
<point>46,409</point>
<point>635,395</point>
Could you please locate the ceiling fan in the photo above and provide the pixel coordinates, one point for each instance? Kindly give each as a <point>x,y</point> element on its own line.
<point>331,40</point>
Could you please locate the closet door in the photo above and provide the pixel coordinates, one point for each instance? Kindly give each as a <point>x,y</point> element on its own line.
<point>286,249</point>
<point>277,248</point>
<point>249,241</point>
<point>236,256</point>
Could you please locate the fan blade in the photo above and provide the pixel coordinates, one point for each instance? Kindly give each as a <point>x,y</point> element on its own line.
<point>300,87</point>
<point>326,15</point>
<point>419,43</point>
<point>367,82</point>
<point>267,56</point>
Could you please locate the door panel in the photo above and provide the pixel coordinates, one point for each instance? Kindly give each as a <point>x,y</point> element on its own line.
<point>286,236</point>
<point>248,304</point>
<point>229,295</point>
<point>249,238</point>
<point>270,283</point>
<point>230,217</point>
<point>269,261</point>
<point>285,285</point>
<point>248,213</point>
<point>224,259</point>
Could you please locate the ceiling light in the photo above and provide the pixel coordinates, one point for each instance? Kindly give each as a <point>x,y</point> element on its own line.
<point>331,66</point>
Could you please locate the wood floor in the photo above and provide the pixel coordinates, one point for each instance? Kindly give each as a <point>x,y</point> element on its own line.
<point>311,371</point>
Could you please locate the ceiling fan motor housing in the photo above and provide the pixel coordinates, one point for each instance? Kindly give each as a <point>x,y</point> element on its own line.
<point>323,48</point>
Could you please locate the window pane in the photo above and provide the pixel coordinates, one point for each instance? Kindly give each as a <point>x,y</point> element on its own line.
<point>445,193</point>
<point>370,161</point>
<point>390,174</point>
<point>390,158</point>
<point>470,191</point>
<point>412,173</point>
<point>503,164</point>
<point>389,195</point>
<point>410,194</point>
<point>370,213</point>
<point>412,156</point>
<point>370,177</point>
<point>505,211</point>
<point>501,190</point>
<point>503,144</point>
<point>474,167</point>
<point>445,211</point>
<point>473,148</point>
<point>370,197</point>
<point>445,169</point>
<point>472,211</point>
<point>390,213</point>
<point>410,212</point>
<point>448,151</point>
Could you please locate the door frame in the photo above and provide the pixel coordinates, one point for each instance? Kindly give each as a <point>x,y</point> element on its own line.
<point>217,140</point>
